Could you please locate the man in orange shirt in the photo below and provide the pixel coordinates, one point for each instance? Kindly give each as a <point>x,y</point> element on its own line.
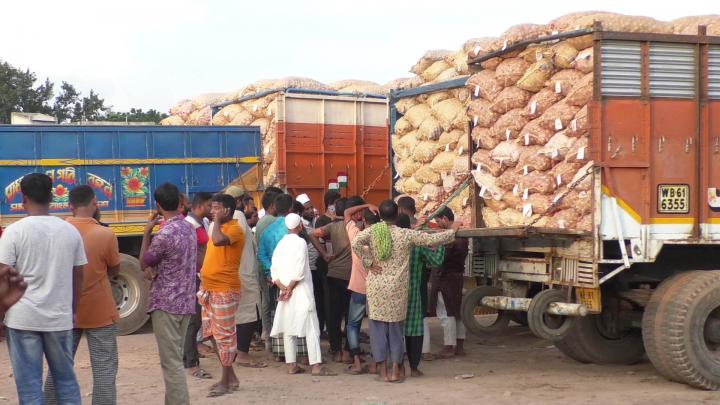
<point>96,310</point>
<point>219,293</point>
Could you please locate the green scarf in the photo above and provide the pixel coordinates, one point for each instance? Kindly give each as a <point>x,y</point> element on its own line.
<point>382,240</point>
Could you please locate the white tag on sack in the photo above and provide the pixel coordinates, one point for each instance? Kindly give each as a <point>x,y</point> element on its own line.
<point>558,87</point>
<point>477,90</point>
<point>533,107</point>
<point>426,197</point>
<point>482,192</point>
<point>505,44</point>
<point>556,199</point>
<point>479,166</point>
<point>515,190</point>
<point>465,201</point>
<point>501,160</point>
<point>460,151</point>
<point>558,179</point>
<point>561,224</point>
<point>475,119</point>
<point>527,139</point>
<point>255,108</point>
<point>555,33</point>
<point>558,124</point>
<point>476,50</point>
<point>397,175</point>
<point>538,55</point>
<point>447,147</point>
<point>525,194</point>
<point>581,154</point>
<point>269,113</point>
<point>525,170</point>
<point>267,150</point>
<point>554,153</point>
<point>573,124</point>
<point>527,210</point>
<point>477,143</point>
<point>507,135</point>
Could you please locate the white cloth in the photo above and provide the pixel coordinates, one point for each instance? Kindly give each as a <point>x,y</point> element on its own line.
<point>205,223</point>
<point>250,290</point>
<point>261,213</point>
<point>452,328</point>
<point>426,337</point>
<point>296,316</point>
<point>313,349</point>
<point>292,221</point>
<point>303,199</point>
<point>44,250</point>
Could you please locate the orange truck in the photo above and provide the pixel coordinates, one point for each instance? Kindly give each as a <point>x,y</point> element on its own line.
<point>644,280</point>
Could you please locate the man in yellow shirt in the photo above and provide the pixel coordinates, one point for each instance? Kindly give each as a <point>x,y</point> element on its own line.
<point>220,288</point>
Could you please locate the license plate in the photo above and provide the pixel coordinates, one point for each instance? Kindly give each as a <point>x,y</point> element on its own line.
<point>673,199</point>
<point>590,297</point>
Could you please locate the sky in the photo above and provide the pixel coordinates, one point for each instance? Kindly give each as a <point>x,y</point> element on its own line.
<point>153,53</point>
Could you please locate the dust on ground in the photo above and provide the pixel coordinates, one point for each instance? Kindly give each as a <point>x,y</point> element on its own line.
<point>514,368</point>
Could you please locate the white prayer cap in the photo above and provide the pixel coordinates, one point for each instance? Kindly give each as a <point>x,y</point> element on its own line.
<point>303,199</point>
<point>292,221</point>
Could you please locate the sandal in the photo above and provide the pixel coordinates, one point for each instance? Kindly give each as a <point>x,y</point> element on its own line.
<point>297,370</point>
<point>218,391</point>
<point>201,374</point>
<point>428,357</point>
<point>260,364</point>
<point>363,370</point>
<point>324,372</point>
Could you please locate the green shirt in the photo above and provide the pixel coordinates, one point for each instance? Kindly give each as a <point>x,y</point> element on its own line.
<point>262,224</point>
<point>420,259</point>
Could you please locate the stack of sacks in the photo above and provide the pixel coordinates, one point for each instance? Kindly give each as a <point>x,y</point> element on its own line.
<point>431,150</point>
<point>258,112</point>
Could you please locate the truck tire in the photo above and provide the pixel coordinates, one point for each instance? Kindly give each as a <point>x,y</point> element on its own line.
<point>692,316</point>
<point>570,348</point>
<point>131,293</point>
<point>546,326</point>
<point>471,301</point>
<point>592,342</point>
<point>654,324</point>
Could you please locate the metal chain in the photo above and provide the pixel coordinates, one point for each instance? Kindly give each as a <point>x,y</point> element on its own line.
<point>374,182</point>
<point>560,198</point>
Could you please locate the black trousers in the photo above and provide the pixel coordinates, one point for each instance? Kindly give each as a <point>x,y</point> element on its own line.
<point>339,305</point>
<point>191,358</point>
<point>413,345</point>
<point>245,333</point>
<point>319,278</point>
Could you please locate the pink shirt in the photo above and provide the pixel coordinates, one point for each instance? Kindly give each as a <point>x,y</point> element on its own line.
<point>358,274</point>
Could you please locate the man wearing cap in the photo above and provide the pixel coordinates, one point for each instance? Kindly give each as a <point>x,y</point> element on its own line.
<point>295,316</point>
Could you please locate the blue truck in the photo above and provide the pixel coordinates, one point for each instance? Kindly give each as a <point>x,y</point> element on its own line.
<point>123,165</point>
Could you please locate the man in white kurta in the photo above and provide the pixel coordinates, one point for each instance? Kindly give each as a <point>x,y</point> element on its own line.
<point>295,315</point>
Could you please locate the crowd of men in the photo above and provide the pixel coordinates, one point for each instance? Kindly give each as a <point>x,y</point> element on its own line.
<point>279,279</point>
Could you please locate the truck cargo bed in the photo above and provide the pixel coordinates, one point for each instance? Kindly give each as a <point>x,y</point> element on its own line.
<point>519,232</point>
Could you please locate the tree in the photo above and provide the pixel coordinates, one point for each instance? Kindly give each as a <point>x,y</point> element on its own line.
<point>92,108</point>
<point>65,102</point>
<point>136,115</point>
<point>18,92</point>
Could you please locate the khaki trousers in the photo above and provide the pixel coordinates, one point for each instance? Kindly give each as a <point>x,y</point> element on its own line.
<point>170,333</point>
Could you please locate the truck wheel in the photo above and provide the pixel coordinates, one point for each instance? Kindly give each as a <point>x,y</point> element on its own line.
<point>482,320</point>
<point>654,324</point>
<point>570,348</point>
<point>599,338</point>
<point>131,292</point>
<point>692,337</point>
<point>544,325</point>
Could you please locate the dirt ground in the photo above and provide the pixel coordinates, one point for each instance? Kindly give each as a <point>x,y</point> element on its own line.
<point>511,369</point>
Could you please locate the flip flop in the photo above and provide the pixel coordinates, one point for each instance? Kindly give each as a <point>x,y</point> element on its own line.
<point>218,391</point>
<point>260,364</point>
<point>398,381</point>
<point>201,374</point>
<point>363,370</point>
<point>380,380</point>
<point>298,370</point>
<point>324,373</point>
